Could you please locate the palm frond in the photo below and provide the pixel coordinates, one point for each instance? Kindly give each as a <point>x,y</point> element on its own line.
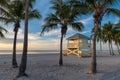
<point>3,11</point>
<point>113,11</point>
<point>112,2</point>
<point>1,31</point>
<point>77,26</point>
<point>48,27</point>
<point>15,12</point>
<point>34,14</point>
<point>56,4</point>
<point>30,3</point>
<point>52,18</point>
<point>7,20</point>
<point>16,8</point>
<point>61,9</point>
<point>91,2</point>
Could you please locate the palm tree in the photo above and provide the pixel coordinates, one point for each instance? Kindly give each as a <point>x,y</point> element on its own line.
<point>2,30</point>
<point>99,8</point>
<point>105,39</point>
<point>117,36</point>
<point>117,40</point>
<point>64,17</point>
<point>109,31</point>
<point>15,13</point>
<point>24,55</point>
<point>23,64</point>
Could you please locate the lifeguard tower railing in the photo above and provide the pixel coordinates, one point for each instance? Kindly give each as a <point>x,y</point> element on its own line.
<point>73,45</point>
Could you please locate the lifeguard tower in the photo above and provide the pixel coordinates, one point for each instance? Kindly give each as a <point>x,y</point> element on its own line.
<point>79,45</point>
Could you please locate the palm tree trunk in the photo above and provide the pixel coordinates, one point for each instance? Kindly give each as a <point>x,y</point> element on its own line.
<point>14,61</point>
<point>61,55</point>
<point>25,45</point>
<point>97,22</point>
<point>118,48</point>
<point>93,68</point>
<point>0,10</point>
<point>100,39</point>
<point>100,46</point>
<point>111,47</point>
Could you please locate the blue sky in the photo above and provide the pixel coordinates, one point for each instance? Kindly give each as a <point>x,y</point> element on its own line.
<point>51,39</point>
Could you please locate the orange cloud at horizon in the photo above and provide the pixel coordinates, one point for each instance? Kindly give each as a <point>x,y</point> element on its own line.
<point>32,45</point>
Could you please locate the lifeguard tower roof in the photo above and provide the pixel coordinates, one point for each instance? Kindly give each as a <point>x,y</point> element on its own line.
<point>77,36</point>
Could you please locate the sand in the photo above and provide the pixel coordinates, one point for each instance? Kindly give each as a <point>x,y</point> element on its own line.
<point>45,67</point>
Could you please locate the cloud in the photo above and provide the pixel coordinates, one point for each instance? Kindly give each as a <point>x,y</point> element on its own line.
<point>10,40</point>
<point>84,32</point>
<point>35,41</point>
<point>52,33</point>
<point>87,20</point>
<point>50,40</point>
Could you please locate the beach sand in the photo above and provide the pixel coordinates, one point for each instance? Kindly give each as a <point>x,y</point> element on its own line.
<point>45,67</point>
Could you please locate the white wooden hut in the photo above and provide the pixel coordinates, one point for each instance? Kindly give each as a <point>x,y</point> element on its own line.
<point>78,44</point>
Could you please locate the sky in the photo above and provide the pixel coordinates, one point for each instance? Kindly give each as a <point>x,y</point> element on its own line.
<point>50,40</point>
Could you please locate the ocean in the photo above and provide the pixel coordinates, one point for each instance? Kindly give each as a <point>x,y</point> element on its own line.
<point>41,51</point>
<point>31,51</point>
